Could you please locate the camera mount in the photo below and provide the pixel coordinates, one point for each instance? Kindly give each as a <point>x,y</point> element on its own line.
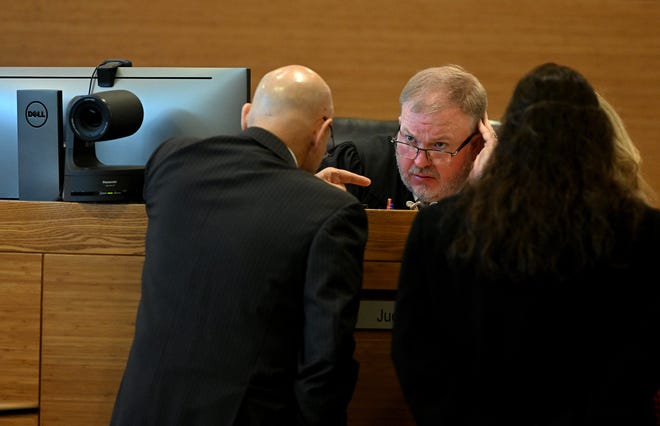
<point>95,118</point>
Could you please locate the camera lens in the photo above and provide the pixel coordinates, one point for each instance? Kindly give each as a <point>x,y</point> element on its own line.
<point>106,115</point>
<point>90,117</point>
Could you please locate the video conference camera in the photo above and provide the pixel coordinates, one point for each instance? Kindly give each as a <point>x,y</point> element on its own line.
<point>93,118</point>
<point>106,115</point>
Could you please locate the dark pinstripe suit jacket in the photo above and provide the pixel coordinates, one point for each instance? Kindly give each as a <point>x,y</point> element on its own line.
<point>249,290</point>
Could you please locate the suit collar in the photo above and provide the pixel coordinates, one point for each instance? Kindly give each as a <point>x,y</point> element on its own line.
<point>272,143</point>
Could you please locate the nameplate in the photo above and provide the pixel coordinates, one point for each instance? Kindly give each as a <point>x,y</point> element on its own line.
<point>375,314</point>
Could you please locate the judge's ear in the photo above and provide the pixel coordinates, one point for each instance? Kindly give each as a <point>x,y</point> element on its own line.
<point>244,113</point>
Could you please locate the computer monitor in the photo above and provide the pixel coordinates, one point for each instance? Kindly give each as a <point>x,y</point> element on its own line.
<point>185,101</point>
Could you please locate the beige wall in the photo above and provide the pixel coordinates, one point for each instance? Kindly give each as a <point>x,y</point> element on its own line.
<point>366,50</point>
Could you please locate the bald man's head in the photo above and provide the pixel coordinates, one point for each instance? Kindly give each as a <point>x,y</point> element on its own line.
<point>291,90</point>
<point>294,103</point>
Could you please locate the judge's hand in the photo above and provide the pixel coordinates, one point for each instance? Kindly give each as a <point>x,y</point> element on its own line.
<point>340,177</point>
<point>490,140</point>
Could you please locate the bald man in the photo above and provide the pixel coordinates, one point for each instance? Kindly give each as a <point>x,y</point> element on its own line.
<point>252,272</point>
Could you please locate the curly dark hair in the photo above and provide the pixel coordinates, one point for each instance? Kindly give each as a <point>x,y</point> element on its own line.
<point>547,201</point>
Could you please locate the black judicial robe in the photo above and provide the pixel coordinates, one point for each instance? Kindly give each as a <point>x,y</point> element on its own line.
<point>374,158</point>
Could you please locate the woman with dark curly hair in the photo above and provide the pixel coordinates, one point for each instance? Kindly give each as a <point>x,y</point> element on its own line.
<point>531,297</point>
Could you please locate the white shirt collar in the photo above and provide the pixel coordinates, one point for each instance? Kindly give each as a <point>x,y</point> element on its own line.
<point>293,156</point>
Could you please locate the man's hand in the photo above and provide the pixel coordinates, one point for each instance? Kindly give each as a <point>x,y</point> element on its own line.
<point>340,177</point>
<point>490,140</point>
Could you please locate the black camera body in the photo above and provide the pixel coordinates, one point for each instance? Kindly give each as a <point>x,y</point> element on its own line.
<point>95,118</point>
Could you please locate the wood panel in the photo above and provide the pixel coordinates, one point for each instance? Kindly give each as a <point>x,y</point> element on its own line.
<point>377,399</point>
<point>89,307</point>
<point>388,230</point>
<point>380,275</point>
<point>48,227</point>
<point>20,328</point>
<point>96,228</point>
<point>20,420</point>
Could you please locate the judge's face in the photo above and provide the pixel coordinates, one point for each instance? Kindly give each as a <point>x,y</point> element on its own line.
<point>431,176</point>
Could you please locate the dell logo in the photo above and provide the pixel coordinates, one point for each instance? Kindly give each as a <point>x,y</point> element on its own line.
<point>36,114</point>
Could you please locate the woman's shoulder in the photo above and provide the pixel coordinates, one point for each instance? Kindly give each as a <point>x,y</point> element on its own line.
<point>650,223</point>
<point>443,213</point>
